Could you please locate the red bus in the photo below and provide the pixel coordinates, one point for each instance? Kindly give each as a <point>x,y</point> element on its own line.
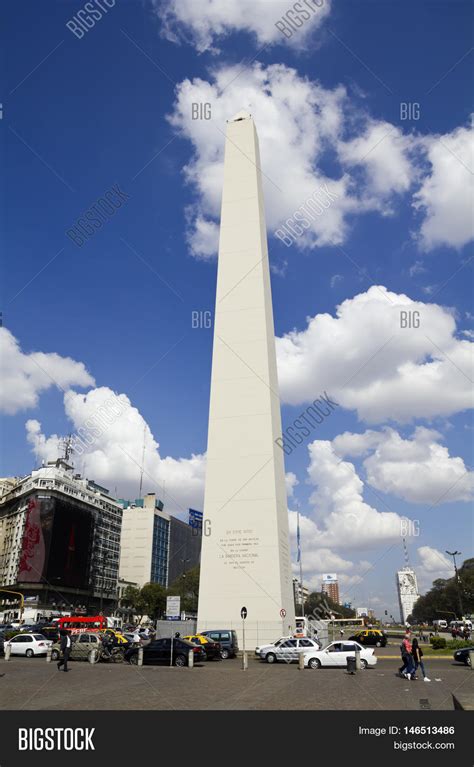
<point>76,624</point>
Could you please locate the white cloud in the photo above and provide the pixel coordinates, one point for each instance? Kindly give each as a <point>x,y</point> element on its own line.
<point>208,22</point>
<point>110,449</point>
<point>446,194</point>
<point>419,469</point>
<point>299,122</point>
<point>433,565</point>
<point>291,481</point>
<point>343,518</point>
<point>367,362</point>
<point>25,376</point>
<point>383,151</point>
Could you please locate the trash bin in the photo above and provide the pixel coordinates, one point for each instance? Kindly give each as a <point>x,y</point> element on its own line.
<point>351,664</point>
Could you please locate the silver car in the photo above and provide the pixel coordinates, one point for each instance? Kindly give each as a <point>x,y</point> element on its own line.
<point>287,649</point>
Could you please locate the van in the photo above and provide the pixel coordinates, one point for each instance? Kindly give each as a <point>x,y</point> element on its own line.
<point>440,624</point>
<point>227,640</point>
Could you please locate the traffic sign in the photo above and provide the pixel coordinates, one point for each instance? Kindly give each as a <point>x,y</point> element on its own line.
<point>243,613</point>
<point>283,612</point>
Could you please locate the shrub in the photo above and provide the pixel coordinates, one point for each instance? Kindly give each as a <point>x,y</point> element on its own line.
<point>438,643</point>
<point>458,644</point>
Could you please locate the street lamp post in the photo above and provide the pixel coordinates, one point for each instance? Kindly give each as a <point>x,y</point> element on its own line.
<point>455,554</point>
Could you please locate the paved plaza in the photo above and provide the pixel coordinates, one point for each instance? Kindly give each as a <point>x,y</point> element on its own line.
<point>32,684</point>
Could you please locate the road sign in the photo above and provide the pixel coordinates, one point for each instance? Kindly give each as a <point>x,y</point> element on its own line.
<point>243,613</point>
<point>283,612</point>
<point>173,608</point>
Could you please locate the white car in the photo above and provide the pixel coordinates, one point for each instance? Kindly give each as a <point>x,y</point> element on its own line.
<point>286,648</point>
<point>337,653</point>
<point>28,644</point>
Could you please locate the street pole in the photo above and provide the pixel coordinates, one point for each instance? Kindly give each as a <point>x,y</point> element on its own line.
<point>454,554</point>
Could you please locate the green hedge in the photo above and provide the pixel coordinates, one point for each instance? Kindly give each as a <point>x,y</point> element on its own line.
<point>438,643</point>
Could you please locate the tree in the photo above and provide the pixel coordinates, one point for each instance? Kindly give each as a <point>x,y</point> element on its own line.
<point>153,596</point>
<point>132,598</point>
<point>321,607</point>
<point>187,587</point>
<point>442,600</point>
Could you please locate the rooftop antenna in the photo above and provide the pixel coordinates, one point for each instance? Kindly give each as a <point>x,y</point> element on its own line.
<point>66,444</point>
<point>143,463</point>
<point>405,550</point>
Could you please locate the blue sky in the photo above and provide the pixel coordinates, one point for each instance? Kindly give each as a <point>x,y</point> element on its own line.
<point>81,115</point>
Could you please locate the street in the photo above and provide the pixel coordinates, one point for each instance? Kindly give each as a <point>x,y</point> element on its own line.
<point>34,684</point>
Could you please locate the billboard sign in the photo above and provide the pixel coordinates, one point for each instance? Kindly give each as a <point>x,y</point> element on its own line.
<point>195,518</point>
<point>329,577</point>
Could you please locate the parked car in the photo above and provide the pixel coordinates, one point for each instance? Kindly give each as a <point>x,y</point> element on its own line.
<point>159,651</point>
<point>81,646</point>
<point>227,640</point>
<point>336,654</point>
<point>370,638</point>
<point>286,648</point>
<point>462,656</point>
<point>28,644</point>
<point>210,648</point>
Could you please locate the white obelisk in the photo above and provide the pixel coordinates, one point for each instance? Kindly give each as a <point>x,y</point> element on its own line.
<point>245,559</point>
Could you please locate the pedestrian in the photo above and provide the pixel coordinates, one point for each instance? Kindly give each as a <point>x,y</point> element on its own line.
<point>341,633</point>
<point>417,654</point>
<point>65,647</point>
<point>408,668</point>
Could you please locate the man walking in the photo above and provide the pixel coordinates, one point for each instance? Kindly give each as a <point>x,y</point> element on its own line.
<point>65,646</point>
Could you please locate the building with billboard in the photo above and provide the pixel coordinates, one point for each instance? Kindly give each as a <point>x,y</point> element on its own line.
<point>407,590</point>
<point>330,586</point>
<point>155,546</point>
<point>59,542</point>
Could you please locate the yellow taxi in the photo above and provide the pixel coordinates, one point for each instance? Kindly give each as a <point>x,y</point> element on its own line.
<point>210,649</point>
<point>116,635</point>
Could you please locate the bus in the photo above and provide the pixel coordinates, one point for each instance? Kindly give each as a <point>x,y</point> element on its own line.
<point>77,624</point>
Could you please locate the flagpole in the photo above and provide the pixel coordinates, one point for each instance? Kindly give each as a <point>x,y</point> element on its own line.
<point>301,565</point>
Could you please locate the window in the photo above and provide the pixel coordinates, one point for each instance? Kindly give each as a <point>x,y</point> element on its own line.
<point>349,647</point>
<point>337,647</point>
<point>83,639</point>
<point>39,637</point>
<point>306,643</point>
<point>215,636</point>
<point>225,636</point>
<point>290,643</point>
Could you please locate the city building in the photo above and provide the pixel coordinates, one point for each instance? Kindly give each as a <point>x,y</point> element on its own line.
<point>330,586</point>
<point>155,546</point>
<point>301,594</point>
<point>246,555</point>
<point>407,589</point>
<point>59,542</point>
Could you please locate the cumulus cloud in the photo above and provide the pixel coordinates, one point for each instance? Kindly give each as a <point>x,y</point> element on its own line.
<point>368,363</point>
<point>300,125</point>
<point>342,516</point>
<point>207,23</point>
<point>446,194</point>
<point>25,376</point>
<point>418,469</point>
<point>291,480</point>
<point>383,151</point>
<point>109,437</point>
<point>433,565</point>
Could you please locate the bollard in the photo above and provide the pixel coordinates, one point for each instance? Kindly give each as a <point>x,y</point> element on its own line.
<point>8,650</point>
<point>140,656</point>
<point>471,658</point>
<point>245,661</point>
<point>191,658</point>
<point>92,655</point>
<point>357,657</point>
<point>48,654</point>
<point>301,661</point>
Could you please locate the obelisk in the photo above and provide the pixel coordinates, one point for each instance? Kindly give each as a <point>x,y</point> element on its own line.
<point>245,560</point>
